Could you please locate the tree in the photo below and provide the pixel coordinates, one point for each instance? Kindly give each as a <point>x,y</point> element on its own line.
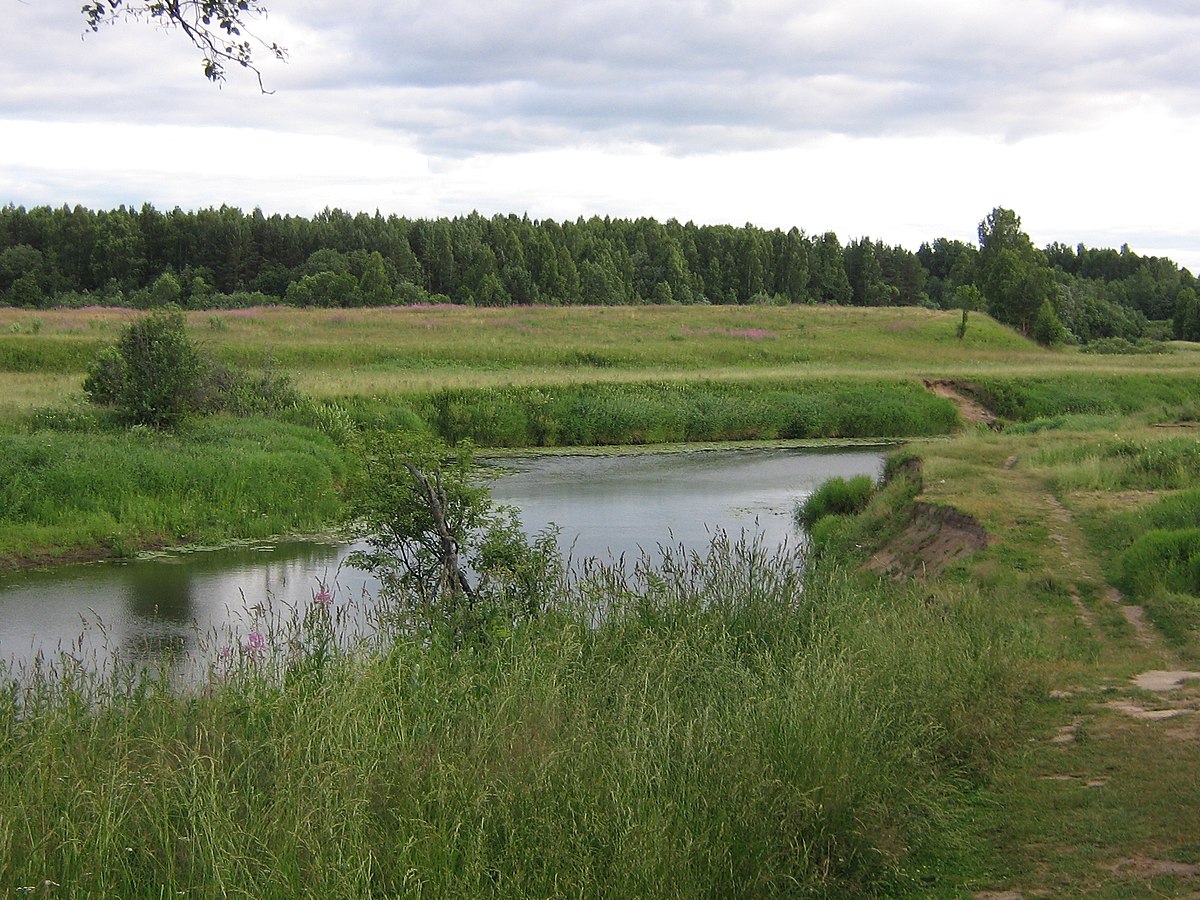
<point>324,289</point>
<point>374,286</point>
<point>1187,316</point>
<point>1016,278</point>
<point>966,298</point>
<point>153,375</point>
<point>865,274</point>
<point>1048,329</point>
<point>455,564</point>
<point>827,279</point>
<point>217,28</point>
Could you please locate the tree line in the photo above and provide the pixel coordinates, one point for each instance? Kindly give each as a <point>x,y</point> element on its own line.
<point>225,258</point>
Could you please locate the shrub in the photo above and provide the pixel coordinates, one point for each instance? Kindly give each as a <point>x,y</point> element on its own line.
<point>152,375</point>
<point>1162,559</point>
<point>1048,328</point>
<point>837,496</point>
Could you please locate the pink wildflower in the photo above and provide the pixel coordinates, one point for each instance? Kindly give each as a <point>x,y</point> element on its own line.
<point>323,596</point>
<point>256,643</point>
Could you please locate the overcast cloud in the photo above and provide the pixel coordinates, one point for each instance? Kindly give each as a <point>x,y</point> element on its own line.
<point>903,120</point>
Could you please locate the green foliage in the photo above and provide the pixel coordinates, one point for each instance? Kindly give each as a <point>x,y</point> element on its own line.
<point>1026,399</point>
<point>665,412</point>
<point>74,487</point>
<point>1048,329</point>
<point>460,569</point>
<point>836,497</point>
<point>40,353</point>
<point>1187,315</point>
<point>1015,278</point>
<point>856,518</point>
<point>727,727</point>
<point>1120,346</point>
<point>154,374</point>
<point>1122,464</point>
<point>1162,560</point>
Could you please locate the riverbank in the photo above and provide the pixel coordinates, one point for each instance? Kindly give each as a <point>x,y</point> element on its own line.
<point>1091,793</point>
<point>73,485</point>
<point>731,727</point>
<point>727,725</point>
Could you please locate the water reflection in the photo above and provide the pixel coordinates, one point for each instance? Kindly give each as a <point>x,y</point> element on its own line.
<point>604,506</point>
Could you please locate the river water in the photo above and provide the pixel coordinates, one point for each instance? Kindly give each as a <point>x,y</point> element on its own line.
<point>604,506</point>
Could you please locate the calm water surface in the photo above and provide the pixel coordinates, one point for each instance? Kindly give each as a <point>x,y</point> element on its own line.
<point>605,506</point>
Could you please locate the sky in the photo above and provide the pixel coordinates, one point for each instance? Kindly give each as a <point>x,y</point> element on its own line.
<point>901,120</point>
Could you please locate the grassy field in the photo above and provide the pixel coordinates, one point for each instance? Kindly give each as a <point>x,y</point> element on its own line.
<point>333,353</point>
<point>733,727</point>
<point>501,378</point>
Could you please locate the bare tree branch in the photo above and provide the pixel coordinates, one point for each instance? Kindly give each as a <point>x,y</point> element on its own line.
<point>217,28</point>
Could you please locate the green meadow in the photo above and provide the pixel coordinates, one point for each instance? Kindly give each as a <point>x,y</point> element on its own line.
<point>720,724</point>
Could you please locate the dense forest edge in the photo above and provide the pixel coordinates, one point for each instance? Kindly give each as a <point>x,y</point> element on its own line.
<point>1112,300</point>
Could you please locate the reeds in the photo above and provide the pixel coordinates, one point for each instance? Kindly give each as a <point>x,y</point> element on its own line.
<point>712,724</point>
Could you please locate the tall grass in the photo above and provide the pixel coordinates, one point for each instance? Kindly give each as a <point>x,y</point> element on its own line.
<point>717,725</point>
<point>1026,399</point>
<point>666,412</point>
<point>1162,560</point>
<point>836,497</point>
<point>1121,463</point>
<point>68,491</point>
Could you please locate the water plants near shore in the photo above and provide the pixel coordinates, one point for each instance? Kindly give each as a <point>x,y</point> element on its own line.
<point>729,726</point>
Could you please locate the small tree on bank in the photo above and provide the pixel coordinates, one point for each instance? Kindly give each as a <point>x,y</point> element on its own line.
<point>153,374</point>
<point>455,565</point>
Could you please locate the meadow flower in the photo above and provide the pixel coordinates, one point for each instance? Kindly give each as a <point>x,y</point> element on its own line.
<point>256,643</point>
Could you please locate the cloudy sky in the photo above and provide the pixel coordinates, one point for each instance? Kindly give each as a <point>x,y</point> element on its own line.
<point>904,120</point>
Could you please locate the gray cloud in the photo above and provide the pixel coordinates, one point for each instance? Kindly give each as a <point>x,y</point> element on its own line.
<point>463,78</point>
<point>692,76</point>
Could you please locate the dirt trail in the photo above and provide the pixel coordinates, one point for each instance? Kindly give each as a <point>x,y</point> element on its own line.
<point>1115,741</point>
<point>971,410</point>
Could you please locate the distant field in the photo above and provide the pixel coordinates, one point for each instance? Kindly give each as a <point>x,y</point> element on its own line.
<point>343,352</point>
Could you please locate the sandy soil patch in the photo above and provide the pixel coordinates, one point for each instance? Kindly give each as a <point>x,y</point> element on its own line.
<point>971,410</point>
<point>1158,680</point>
<point>934,538</point>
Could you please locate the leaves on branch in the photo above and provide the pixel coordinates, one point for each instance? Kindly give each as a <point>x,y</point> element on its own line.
<point>217,28</point>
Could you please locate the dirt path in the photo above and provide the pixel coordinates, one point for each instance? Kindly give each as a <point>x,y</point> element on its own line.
<point>1105,801</point>
<point>969,409</point>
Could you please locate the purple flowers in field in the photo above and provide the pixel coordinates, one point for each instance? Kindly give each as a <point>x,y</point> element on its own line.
<point>753,334</point>
<point>256,643</point>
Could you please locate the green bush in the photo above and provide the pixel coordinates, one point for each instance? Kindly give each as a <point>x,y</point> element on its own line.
<point>836,497</point>
<point>154,373</point>
<point>1162,559</point>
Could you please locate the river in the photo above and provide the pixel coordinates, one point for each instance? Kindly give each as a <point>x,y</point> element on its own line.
<point>604,506</point>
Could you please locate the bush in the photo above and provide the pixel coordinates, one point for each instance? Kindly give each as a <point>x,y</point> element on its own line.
<point>152,375</point>
<point>836,497</point>
<point>156,376</point>
<point>1048,328</point>
<point>1162,559</point>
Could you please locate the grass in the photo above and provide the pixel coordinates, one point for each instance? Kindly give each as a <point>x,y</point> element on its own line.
<point>408,350</point>
<point>113,491</point>
<point>837,496</point>
<point>729,728</point>
<point>725,727</point>
<point>1087,801</point>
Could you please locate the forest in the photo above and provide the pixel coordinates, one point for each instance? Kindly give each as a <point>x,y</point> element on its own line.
<point>1108,300</point>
